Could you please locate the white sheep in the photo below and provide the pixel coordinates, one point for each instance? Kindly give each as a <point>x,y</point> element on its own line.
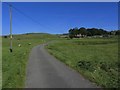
<point>19,45</point>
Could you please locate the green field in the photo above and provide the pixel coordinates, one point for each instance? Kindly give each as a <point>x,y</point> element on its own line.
<point>14,64</point>
<point>95,59</point>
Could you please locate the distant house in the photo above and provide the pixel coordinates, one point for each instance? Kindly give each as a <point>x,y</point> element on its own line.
<point>80,35</point>
<point>66,35</point>
<point>100,36</point>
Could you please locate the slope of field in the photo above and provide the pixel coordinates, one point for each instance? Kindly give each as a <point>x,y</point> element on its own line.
<point>14,64</point>
<point>95,59</point>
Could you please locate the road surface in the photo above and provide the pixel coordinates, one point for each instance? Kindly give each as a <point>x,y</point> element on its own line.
<point>45,71</point>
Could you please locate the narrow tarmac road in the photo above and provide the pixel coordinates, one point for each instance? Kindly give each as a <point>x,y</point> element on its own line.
<point>45,71</point>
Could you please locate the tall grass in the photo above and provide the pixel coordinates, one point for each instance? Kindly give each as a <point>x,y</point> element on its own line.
<point>14,64</point>
<point>95,59</point>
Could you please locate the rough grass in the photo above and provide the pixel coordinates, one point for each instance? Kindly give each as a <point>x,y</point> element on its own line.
<point>95,59</point>
<point>14,64</point>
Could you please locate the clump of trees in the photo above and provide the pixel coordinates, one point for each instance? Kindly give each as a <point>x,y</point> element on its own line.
<point>83,32</point>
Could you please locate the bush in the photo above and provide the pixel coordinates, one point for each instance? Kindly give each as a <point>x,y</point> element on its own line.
<point>86,65</point>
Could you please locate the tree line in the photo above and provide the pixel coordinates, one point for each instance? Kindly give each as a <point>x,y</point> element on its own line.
<point>83,32</point>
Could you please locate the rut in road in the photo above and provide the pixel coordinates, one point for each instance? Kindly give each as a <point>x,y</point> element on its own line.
<point>45,71</point>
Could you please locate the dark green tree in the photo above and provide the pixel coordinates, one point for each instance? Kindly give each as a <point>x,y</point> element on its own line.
<point>117,32</point>
<point>71,34</point>
<point>83,31</point>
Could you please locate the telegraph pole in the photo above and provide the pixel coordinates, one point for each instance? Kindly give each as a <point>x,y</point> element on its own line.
<point>10,6</point>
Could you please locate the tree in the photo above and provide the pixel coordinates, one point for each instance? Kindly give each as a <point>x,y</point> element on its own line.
<point>75,31</point>
<point>89,32</point>
<point>117,32</point>
<point>83,31</point>
<point>71,34</point>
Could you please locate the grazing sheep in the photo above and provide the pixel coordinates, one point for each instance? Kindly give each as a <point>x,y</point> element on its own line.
<point>19,45</point>
<point>29,43</point>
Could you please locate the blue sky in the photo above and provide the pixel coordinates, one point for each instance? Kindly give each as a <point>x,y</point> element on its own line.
<point>59,17</point>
